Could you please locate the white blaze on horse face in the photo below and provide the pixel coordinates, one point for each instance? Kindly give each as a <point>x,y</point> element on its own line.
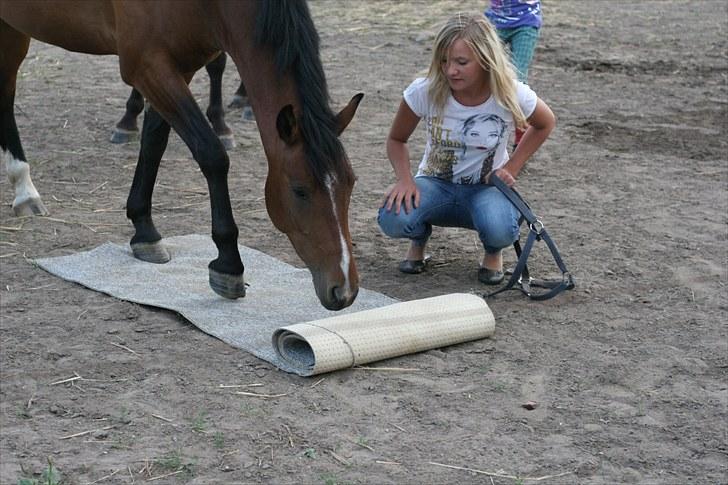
<point>26,195</point>
<point>345,255</point>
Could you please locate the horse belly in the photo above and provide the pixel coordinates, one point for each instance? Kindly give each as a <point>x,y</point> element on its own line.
<point>78,26</point>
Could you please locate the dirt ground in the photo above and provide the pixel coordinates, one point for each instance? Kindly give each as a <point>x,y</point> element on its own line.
<point>628,370</point>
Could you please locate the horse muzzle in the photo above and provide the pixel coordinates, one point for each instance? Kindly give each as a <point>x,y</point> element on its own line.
<point>332,294</point>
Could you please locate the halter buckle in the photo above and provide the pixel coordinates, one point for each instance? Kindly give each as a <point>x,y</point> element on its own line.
<point>536,226</point>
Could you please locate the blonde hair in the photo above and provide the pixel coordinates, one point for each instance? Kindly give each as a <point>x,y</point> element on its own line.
<point>478,34</point>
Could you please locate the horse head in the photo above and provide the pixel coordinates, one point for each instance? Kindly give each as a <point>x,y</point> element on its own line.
<point>308,199</point>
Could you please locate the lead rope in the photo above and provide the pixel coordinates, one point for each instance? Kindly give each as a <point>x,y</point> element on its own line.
<point>520,278</point>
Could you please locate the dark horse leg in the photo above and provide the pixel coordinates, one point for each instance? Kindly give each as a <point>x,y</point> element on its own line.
<point>126,129</point>
<point>146,243</point>
<point>27,201</point>
<point>240,101</point>
<point>240,98</point>
<point>173,104</point>
<point>215,112</point>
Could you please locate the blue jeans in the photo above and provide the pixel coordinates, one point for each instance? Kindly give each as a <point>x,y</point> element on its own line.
<point>442,203</point>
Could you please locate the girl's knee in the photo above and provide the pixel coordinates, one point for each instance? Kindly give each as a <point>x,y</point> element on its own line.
<point>392,224</point>
<point>498,234</point>
<point>495,241</point>
<point>402,225</point>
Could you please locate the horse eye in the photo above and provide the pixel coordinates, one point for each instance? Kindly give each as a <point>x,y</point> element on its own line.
<point>300,193</point>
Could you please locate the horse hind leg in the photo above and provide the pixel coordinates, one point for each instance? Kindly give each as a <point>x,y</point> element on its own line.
<point>215,112</point>
<point>241,101</point>
<point>126,129</point>
<point>146,244</point>
<point>240,98</point>
<point>27,201</point>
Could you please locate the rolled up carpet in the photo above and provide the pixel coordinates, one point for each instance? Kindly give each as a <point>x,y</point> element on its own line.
<point>381,333</point>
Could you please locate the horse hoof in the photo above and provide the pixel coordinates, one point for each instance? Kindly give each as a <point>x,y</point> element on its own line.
<point>227,285</point>
<point>228,141</point>
<point>238,102</point>
<point>30,207</point>
<point>120,135</point>
<point>248,114</point>
<point>153,252</point>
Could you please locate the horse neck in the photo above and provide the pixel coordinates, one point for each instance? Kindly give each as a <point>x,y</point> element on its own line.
<point>268,90</point>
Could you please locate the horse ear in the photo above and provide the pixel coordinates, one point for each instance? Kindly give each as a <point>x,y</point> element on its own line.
<point>345,115</point>
<point>287,125</point>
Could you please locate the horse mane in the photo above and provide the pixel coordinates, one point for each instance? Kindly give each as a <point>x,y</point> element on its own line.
<point>287,27</point>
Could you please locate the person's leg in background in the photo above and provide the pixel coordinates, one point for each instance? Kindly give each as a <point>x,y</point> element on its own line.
<point>521,43</point>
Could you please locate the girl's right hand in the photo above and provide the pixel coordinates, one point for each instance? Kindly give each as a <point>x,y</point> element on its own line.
<point>402,192</point>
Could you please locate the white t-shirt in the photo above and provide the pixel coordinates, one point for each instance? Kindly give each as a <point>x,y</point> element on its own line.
<point>467,142</point>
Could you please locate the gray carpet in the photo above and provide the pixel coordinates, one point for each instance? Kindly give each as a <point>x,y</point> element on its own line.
<point>279,294</point>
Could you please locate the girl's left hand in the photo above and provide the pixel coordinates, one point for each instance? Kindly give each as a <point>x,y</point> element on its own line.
<point>504,175</point>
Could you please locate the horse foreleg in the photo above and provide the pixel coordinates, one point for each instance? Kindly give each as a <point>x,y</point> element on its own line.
<point>215,112</point>
<point>168,92</point>
<point>126,129</point>
<point>27,200</point>
<point>147,242</point>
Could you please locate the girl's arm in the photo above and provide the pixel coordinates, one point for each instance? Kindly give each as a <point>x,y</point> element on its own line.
<point>541,123</point>
<point>404,190</point>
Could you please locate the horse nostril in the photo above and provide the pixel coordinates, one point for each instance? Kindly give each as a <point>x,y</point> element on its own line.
<point>334,300</point>
<point>340,295</point>
<point>339,298</point>
<point>337,294</point>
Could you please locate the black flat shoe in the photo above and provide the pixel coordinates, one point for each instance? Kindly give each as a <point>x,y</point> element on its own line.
<point>490,276</point>
<point>411,266</point>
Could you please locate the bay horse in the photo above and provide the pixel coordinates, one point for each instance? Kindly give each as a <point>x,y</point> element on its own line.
<point>160,45</point>
<point>127,129</point>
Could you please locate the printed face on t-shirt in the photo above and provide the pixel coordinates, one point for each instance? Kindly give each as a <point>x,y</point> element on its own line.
<point>483,133</point>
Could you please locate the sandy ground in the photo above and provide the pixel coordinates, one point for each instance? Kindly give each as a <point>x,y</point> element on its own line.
<point>628,370</point>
